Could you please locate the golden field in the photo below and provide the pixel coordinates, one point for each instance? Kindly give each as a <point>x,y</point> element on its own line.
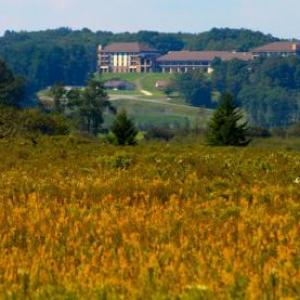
<point>84,220</point>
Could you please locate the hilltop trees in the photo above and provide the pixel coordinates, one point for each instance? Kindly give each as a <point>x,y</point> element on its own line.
<point>229,39</point>
<point>226,127</point>
<point>69,56</point>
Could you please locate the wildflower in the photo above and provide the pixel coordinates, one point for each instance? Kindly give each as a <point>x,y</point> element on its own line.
<point>297,180</point>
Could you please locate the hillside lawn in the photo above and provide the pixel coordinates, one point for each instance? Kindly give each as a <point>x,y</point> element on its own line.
<point>156,109</point>
<point>147,113</point>
<point>142,82</point>
<point>150,111</point>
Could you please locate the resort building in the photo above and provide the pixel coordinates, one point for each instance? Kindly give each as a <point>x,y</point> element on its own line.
<point>127,58</point>
<point>185,61</point>
<point>141,58</point>
<point>277,49</point>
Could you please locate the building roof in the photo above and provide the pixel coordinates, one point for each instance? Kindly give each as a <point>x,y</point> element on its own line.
<point>129,47</point>
<point>279,47</point>
<point>204,56</point>
<point>118,84</point>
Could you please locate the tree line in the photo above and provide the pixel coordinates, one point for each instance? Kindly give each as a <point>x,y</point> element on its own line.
<point>78,110</point>
<point>268,89</point>
<point>83,109</point>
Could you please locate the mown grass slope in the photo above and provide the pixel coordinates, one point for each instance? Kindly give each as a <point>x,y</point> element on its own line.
<point>84,220</point>
<point>152,113</point>
<point>155,110</point>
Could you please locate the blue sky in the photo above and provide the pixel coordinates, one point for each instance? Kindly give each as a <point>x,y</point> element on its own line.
<point>279,17</point>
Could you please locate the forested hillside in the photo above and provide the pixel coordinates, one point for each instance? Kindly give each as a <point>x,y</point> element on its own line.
<point>269,89</point>
<point>229,39</point>
<point>68,56</point>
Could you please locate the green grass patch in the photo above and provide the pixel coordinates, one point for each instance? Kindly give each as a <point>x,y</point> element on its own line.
<point>162,114</point>
<point>144,81</point>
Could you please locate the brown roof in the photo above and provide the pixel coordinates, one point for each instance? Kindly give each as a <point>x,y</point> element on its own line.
<point>128,47</point>
<point>204,56</point>
<point>279,47</point>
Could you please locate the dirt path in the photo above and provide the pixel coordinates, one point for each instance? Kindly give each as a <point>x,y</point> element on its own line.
<point>140,88</point>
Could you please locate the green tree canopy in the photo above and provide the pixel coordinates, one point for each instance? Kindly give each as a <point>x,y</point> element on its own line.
<point>85,107</point>
<point>11,87</point>
<point>268,89</point>
<point>58,92</point>
<point>194,88</point>
<point>94,101</point>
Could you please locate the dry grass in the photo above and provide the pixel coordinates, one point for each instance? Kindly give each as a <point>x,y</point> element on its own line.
<point>82,220</point>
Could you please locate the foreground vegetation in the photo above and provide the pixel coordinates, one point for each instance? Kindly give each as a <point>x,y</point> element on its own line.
<point>83,220</point>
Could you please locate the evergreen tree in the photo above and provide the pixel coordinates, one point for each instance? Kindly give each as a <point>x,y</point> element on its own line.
<point>124,129</point>
<point>226,127</point>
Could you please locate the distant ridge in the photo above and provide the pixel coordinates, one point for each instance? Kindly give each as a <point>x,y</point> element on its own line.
<point>69,56</point>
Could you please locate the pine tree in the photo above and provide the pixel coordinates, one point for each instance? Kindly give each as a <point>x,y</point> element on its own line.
<point>124,129</point>
<point>226,127</point>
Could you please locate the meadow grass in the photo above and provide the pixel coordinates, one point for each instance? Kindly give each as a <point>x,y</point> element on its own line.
<point>164,114</point>
<point>83,220</point>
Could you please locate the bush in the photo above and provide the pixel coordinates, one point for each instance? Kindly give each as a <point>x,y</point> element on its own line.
<point>120,160</point>
<point>36,121</point>
<point>9,122</point>
<point>294,130</point>
<point>259,132</point>
<point>159,134</point>
<point>279,132</point>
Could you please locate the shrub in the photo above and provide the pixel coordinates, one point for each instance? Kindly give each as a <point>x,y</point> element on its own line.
<point>159,134</point>
<point>36,121</point>
<point>259,132</point>
<point>294,130</point>
<point>279,132</point>
<point>9,125</point>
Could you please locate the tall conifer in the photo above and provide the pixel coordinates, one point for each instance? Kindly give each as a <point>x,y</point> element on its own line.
<point>124,129</point>
<point>226,127</point>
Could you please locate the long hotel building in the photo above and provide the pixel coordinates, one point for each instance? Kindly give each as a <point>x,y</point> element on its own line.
<point>140,58</point>
<point>185,61</point>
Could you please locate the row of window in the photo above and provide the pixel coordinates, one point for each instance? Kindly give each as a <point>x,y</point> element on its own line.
<point>184,63</point>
